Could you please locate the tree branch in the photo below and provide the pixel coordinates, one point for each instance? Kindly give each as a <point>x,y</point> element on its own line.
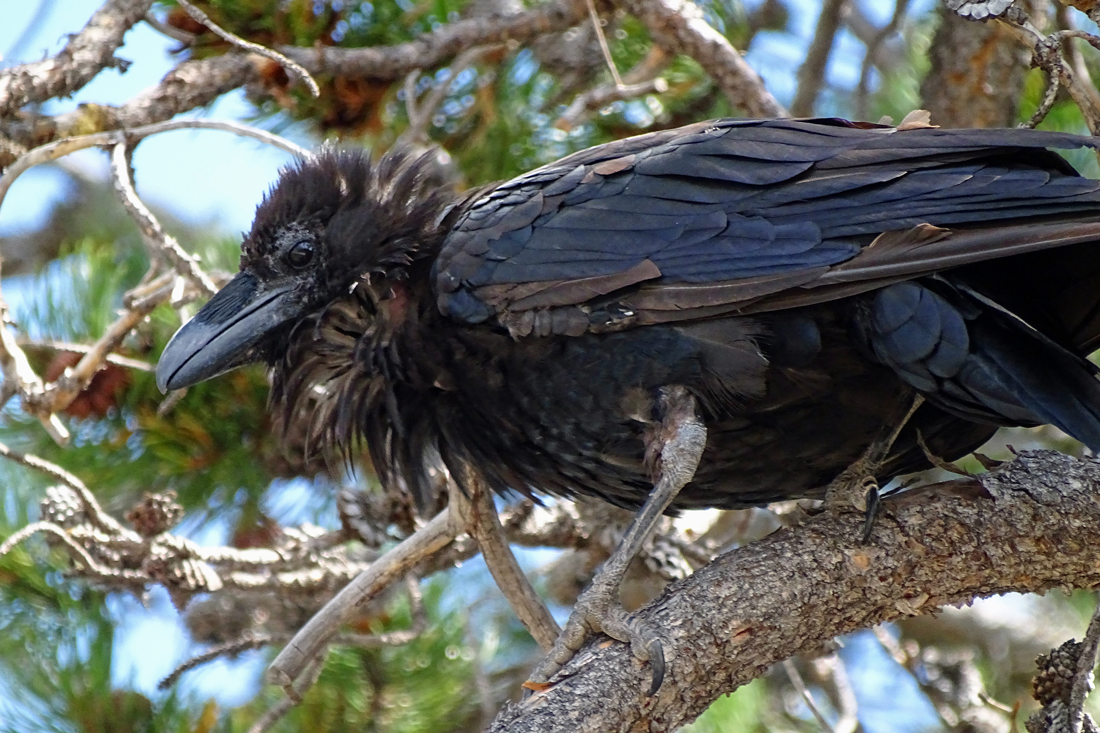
<point>431,49</point>
<point>1030,526</point>
<point>811,75</point>
<point>679,27</point>
<point>86,54</point>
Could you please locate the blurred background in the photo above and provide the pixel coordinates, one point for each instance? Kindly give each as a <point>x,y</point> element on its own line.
<point>77,658</point>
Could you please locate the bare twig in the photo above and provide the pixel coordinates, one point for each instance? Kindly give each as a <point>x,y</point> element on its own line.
<point>597,25</point>
<point>122,361</point>
<point>1082,679</point>
<point>60,148</point>
<point>310,641</point>
<point>1047,52</point>
<point>159,242</point>
<point>811,75</point>
<point>420,115</point>
<point>394,638</point>
<point>807,696</point>
<point>99,518</point>
<point>41,13</point>
<point>640,80</point>
<point>293,67</point>
<point>602,96</point>
<point>1054,85</point>
<point>839,688</point>
<point>901,7</point>
<point>20,379</point>
<point>85,55</point>
<point>679,27</point>
<point>230,649</point>
<point>268,720</point>
<point>60,394</point>
<point>480,519</point>
<point>172,32</point>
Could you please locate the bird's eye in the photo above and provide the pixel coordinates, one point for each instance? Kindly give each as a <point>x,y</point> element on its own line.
<point>300,255</point>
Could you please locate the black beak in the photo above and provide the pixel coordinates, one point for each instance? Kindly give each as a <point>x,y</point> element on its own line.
<point>224,334</point>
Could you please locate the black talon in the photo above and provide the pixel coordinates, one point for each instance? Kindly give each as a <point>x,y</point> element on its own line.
<point>874,507</point>
<point>657,660</point>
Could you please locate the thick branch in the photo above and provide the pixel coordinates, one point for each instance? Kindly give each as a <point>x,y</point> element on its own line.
<point>679,27</point>
<point>431,49</point>
<point>1034,526</point>
<point>86,54</point>
<point>189,85</point>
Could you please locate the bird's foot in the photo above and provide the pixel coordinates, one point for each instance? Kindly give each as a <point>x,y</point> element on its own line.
<point>856,488</point>
<point>598,611</point>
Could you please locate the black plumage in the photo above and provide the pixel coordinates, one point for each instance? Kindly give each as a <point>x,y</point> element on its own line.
<point>801,278</point>
<point>793,286</point>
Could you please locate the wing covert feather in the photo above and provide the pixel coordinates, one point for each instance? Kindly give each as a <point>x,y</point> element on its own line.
<point>751,215</point>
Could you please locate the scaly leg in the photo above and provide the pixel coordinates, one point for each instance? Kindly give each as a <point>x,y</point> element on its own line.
<point>683,437</point>
<point>856,485</point>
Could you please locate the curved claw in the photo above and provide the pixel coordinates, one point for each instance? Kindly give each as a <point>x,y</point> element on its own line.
<point>657,659</point>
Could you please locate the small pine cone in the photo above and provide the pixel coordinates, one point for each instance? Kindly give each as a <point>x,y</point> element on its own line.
<point>63,507</point>
<point>155,514</point>
<point>1056,670</point>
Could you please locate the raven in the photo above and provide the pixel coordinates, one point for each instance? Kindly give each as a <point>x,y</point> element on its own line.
<point>722,315</point>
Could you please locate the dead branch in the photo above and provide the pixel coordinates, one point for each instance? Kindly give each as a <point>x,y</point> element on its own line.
<point>189,85</point>
<point>159,242</point>
<point>292,68</point>
<point>479,517</point>
<point>679,27</point>
<point>605,94</point>
<point>434,48</point>
<point>811,75</point>
<point>309,643</point>
<point>420,114</point>
<point>1047,52</point>
<point>901,7</point>
<point>85,55</point>
<point>1029,526</point>
<point>171,31</point>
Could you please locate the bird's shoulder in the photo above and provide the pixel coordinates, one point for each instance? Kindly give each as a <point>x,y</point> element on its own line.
<point>711,217</point>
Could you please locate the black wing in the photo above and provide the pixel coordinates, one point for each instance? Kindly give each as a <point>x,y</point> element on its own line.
<point>751,215</point>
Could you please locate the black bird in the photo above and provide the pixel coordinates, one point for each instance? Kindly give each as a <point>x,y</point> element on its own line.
<point>735,311</point>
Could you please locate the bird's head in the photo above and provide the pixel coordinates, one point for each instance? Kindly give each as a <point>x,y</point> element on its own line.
<point>330,221</point>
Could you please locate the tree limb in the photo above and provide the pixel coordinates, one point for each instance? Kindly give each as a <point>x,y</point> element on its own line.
<point>85,55</point>
<point>1030,526</point>
<point>431,49</point>
<point>811,75</point>
<point>679,27</point>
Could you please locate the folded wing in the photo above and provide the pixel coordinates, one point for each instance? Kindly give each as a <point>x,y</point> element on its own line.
<point>748,216</point>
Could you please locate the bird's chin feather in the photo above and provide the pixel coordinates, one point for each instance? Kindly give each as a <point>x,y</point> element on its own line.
<point>322,384</point>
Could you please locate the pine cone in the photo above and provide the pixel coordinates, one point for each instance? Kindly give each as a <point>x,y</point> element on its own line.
<point>63,507</point>
<point>155,514</point>
<point>1056,670</point>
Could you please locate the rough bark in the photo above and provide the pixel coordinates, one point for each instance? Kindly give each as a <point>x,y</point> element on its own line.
<point>977,73</point>
<point>85,55</point>
<point>1028,527</point>
<point>678,27</point>
<point>430,49</point>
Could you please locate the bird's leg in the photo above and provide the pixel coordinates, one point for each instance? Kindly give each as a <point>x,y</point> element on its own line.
<point>682,437</point>
<point>856,485</point>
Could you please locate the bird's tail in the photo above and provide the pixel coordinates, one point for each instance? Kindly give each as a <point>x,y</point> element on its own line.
<point>975,358</point>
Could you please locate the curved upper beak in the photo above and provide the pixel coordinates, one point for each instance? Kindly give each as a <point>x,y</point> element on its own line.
<point>224,334</point>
